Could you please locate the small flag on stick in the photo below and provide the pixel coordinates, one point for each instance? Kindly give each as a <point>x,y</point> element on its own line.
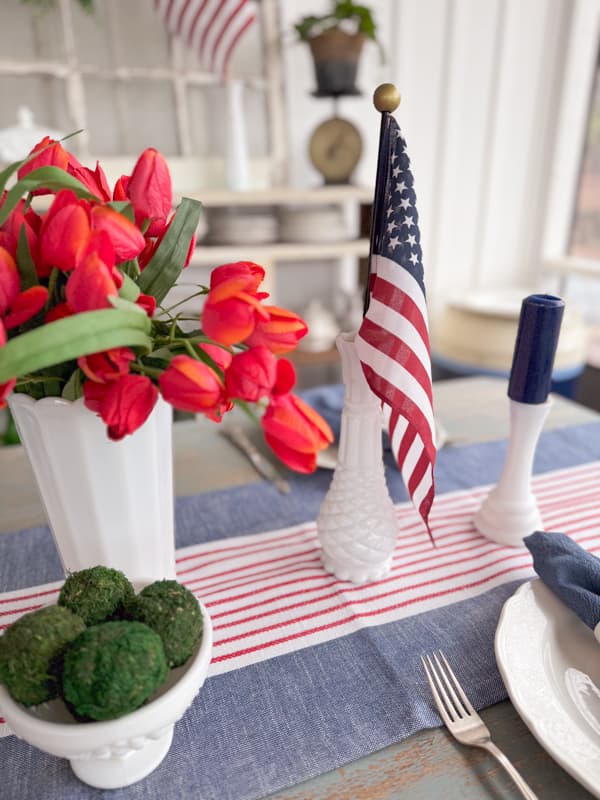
<point>393,340</point>
<point>212,28</point>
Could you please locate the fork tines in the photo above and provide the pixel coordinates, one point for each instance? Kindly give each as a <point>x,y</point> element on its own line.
<point>453,704</point>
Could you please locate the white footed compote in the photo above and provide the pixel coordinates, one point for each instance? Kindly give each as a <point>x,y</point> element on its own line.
<point>357,525</point>
<point>510,511</point>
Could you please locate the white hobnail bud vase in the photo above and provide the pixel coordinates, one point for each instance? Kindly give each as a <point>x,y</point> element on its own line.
<point>357,524</point>
<point>510,511</point>
<point>108,503</point>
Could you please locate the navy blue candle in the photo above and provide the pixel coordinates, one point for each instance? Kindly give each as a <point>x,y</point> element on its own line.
<point>535,348</point>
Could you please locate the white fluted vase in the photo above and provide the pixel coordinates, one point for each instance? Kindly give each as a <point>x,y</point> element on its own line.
<point>357,524</point>
<point>108,503</point>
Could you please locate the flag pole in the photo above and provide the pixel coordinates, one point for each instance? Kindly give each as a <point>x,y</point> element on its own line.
<point>386,99</point>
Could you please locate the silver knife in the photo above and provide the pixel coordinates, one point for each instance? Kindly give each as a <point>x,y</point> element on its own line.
<point>262,465</point>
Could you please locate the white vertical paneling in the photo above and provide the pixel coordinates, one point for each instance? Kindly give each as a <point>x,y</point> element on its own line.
<point>519,142</point>
<point>420,46</point>
<point>461,167</point>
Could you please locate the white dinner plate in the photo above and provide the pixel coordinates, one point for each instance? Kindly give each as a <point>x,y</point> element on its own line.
<point>550,664</point>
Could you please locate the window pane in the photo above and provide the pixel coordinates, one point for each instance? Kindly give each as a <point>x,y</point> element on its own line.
<point>585,237</point>
<point>125,117</point>
<point>44,95</point>
<point>208,120</point>
<point>120,34</point>
<point>30,32</point>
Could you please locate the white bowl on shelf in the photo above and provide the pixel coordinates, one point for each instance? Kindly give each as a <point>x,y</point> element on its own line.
<point>118,752</point>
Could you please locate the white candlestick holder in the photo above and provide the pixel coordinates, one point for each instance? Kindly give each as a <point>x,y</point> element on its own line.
<point>357,524</point>
<point>510,511</point>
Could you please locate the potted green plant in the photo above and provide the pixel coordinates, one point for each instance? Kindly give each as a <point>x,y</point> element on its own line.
<point>336,40</point>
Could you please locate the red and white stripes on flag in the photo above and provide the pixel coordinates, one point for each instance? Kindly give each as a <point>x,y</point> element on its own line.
<point>211,28</point>
<point>393,340</point>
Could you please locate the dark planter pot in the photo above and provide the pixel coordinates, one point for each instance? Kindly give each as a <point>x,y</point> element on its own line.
<point>336,55</point>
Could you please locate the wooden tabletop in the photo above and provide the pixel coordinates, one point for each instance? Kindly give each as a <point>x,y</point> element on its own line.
<point>430,764</point>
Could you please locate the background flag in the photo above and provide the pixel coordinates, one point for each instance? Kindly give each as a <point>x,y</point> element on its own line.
<point>393,340</point>
<point>212,28</point>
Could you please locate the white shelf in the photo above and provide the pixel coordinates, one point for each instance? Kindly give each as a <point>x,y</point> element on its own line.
<point>212,255</point>
<point>284,195</point>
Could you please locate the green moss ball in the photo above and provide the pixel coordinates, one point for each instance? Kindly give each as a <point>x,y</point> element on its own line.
<point>111,669</point>
<point>173,612</point>
<point>31,651</point>
<point>96,594</point>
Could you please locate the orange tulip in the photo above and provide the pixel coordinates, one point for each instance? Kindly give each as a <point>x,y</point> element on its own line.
<point>191,385</point>
<point>149,189</point>
<point>280,332</point>
<point>233,304</point>
<point>65,232</point>
<point>90,285</point>
<point>295,432</point>
<point>127,240</point>
<point>10,281</point>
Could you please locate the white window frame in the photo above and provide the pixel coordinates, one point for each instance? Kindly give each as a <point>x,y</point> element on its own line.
<point>579,74</point>
<point>189,171</point>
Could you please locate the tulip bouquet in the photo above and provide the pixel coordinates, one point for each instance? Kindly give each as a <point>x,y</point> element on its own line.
<point>83,314</point>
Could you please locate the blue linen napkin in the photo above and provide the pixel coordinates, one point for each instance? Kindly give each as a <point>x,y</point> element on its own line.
<point>570,572</point>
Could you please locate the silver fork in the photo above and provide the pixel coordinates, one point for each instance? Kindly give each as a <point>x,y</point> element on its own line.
<point>461,719</point>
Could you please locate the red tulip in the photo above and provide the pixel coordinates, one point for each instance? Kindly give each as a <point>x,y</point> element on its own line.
<point>95,182</point>
<point>280,332</point>
<point>59,311</point>
<point>120,190</point>
<point>65,232</point>
<point>90,285</point>
<point>147,302</point>
<point>127,240</point>
<point>11,231</point>
<point>123,404</point>
<point>50,154</point>
<point>10,281</point>
<point>251,374</point>
<point>191,385</point>
<point>108,365</point>
<point>5,390</point>
<point>233,305</point>
<point>25,306</point>
<point>219,355</point>
<point>149,189</point>
<point>295,432</point>
<point>286,377</point>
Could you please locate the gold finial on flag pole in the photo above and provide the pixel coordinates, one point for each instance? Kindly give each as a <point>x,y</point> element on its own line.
<point>386,97</point>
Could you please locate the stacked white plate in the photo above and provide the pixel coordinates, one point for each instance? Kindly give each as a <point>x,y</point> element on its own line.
<point>314,224</point>
<point>242,226</point>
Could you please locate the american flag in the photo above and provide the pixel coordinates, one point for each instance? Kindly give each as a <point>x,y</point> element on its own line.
<point>393,340</point>
<point>212,28</point>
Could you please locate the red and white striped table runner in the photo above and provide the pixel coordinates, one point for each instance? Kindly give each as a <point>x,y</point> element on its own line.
<point>268,594</point>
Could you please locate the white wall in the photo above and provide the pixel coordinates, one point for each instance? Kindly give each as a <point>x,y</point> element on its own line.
<point>481,82</point>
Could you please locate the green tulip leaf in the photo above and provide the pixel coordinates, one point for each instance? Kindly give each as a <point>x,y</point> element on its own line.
<point>71,337</point>
<point>167,262</point>
<point>25,262</point>
<point>129,290</point>
<point>43,178</point>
